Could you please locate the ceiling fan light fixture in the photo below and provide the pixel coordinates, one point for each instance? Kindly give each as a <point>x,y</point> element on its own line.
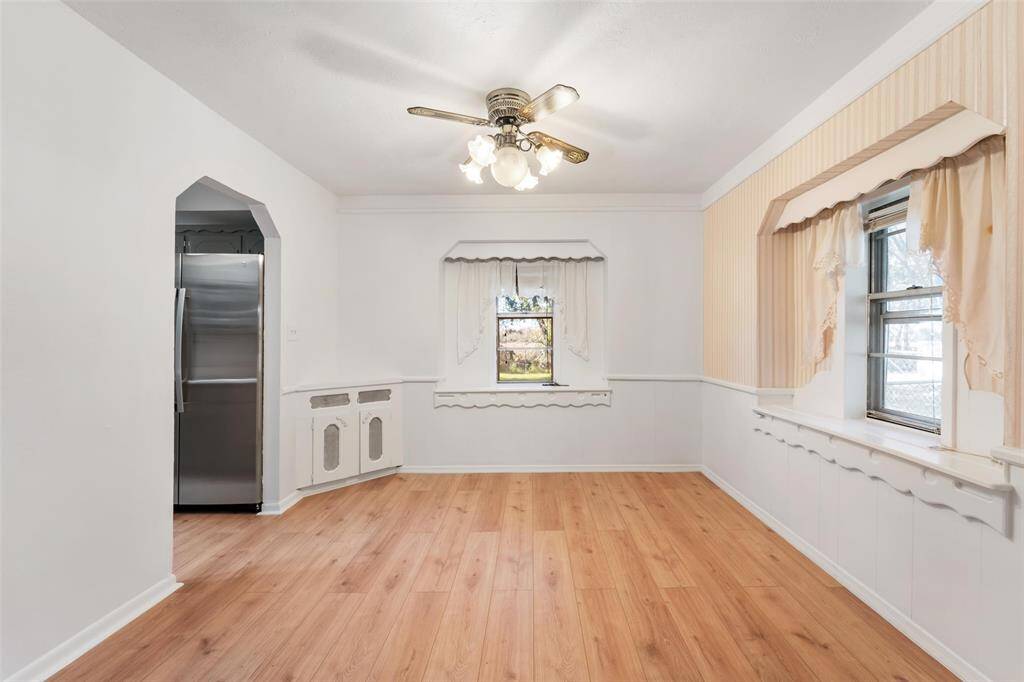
<point>506,151</point>
<point>528,182</point>
<point>509,167</point>
<point>471,169</point>
<point>549,159</point>
<point>481,150</point>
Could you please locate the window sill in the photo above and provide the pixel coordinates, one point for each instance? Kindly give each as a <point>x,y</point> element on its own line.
<point>919,448</point>
<point>973,486</point>
<point>529,395</point>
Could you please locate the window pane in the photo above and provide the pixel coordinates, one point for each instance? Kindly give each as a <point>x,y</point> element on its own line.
<point>931,304</point>
<point>914,387</point>
<point>913,337</point>
<point>524,332</point>
<point>532,365</point>
<point>905,268</point>
<point>524,304</point>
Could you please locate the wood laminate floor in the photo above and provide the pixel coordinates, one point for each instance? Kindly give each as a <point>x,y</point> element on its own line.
<point>597,576</point>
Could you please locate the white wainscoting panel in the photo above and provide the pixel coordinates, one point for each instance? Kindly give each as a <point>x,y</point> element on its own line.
<point>802,511</point>
<point>857,525</point>
<point>894,550</point>
<point>828,511</point>
<point>939,557</point>
<point>647,424</point>
<point>947,556</point>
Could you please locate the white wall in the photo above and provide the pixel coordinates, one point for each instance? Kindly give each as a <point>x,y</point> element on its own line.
<point>97,147</point>
<point>199,197</point>
<point>392,274</point>
<point>954,582</point>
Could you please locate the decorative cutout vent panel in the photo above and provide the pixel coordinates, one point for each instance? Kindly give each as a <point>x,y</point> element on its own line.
<point>331,400</point>
<point>377,396</point>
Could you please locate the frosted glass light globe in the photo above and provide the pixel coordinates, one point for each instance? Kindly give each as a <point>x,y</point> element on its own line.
<point>549,159</point>
<point>509,167</point>
<point>528,182</point>
<point>472,169</point>
<point>481,150</point>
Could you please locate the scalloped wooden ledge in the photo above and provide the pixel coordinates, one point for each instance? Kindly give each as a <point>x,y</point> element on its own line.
<point>533,396</point>
<point>973,486</point>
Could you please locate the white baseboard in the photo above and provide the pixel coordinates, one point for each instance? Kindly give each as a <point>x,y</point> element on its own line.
<point>281,506</point>
<point>542,468</point>
<point>61,655</point>
<point>278,508</point>
<point>345,482</point>
<point>924,639</point>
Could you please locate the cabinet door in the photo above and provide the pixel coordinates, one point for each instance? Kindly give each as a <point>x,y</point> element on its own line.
<point>334,448</point>
<point>377,439</point>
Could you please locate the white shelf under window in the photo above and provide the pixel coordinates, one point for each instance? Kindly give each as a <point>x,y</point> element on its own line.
<point>918,448</point>
<point>973,486</point>
<point>523,395</point>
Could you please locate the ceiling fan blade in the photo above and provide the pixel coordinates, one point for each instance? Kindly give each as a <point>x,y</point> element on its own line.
<point>447,115</point>
<point>547,103</point>
<point>570,153</point>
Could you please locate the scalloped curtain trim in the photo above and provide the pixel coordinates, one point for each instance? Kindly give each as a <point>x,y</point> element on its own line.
<point>837,242</point>
<point>963,227</point>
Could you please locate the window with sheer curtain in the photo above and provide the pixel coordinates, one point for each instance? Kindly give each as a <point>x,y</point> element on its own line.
<point>524,321</point>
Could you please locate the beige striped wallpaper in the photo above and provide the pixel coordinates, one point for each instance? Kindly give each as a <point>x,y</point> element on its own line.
<point>970,65</point>
<point>1013,434</point>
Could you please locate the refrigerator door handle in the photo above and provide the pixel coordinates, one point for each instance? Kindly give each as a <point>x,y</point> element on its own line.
<point>179,326</point>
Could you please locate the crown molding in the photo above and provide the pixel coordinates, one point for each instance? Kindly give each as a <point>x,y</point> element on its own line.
<point>519,203</point>
<point>932,23</point>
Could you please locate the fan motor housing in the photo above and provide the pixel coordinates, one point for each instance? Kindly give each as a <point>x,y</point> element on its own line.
<point>503,105</point>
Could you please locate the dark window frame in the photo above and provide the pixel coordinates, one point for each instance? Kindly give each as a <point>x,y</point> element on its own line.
<point>880,223</point>
<point>550,316</point>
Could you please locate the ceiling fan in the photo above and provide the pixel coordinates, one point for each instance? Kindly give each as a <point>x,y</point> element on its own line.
<point>505,152</point>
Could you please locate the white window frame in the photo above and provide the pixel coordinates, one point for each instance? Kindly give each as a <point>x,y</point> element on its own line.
<point>892,210</point>
<point>499,316</point>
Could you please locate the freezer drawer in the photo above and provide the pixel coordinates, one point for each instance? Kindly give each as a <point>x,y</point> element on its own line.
<point>219,460</point>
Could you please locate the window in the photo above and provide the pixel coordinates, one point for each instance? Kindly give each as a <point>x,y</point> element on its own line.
<point>905,330</point>
<point>525,339</point>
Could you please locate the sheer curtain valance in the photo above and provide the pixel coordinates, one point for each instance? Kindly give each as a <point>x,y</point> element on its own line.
<point>564,280</point>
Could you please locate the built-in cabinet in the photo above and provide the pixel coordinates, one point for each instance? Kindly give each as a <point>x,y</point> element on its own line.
<point>350,432</point>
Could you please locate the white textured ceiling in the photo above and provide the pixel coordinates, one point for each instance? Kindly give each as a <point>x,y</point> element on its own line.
<point>673,94</point>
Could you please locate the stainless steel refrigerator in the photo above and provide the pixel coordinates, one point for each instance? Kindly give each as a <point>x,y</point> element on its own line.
<point>218,367</point>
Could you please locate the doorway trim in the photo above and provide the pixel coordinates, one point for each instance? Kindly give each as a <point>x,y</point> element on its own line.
<point>271,342</point>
